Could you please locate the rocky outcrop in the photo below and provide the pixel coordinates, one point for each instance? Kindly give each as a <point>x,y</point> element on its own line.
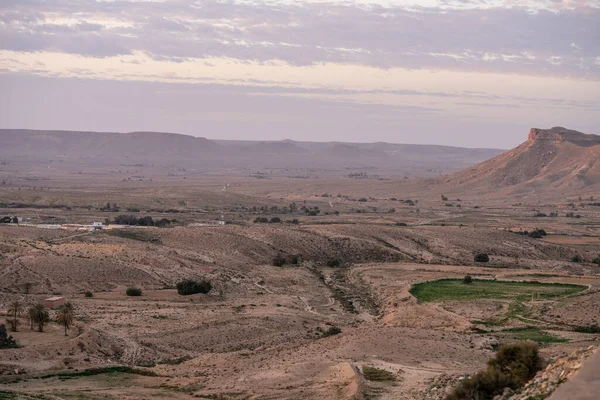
<point>547,380</point>
<point>560,134</point>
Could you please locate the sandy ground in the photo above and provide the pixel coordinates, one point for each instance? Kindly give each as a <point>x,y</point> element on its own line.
<point>259,333</point>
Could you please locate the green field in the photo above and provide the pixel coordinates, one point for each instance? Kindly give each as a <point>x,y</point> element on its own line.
<point>455,289</point>
<point>530,333</point>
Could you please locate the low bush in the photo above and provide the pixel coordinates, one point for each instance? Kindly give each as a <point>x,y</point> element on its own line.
<point>467,280</point>
<point>333,330</point>
<point>594,328</point>
<point>6,341</point>
<point>512,367</point>
<point>275,220</point>
<point>596,260</point>
<point>537,233</point>
<point>401,224</point>
<point>576,259</point>
<point>189,286</point>
<point>333,263</point>
<point>89,294</point>
<point>481,257</point>
<point>295,259</point>
<point>261,220</point>
<point>279,260</point>
<point>131,291</point>
<point>377,375</point>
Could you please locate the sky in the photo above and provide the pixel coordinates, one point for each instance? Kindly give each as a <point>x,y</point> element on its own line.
<point>470,73</point>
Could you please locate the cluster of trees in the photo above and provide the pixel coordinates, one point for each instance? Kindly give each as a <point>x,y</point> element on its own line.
<point>38,316</point>
<point>536,233</point>
<point>512,367</point>
<point>143,221</point>
<point>9,220</point>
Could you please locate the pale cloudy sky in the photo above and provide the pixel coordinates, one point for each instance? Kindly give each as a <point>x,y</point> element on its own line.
<point>475,73</point>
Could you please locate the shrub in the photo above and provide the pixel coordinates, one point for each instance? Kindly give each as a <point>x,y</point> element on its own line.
<point>6,341</point>
<point>596,260</point>
<point>131,291</point>
<point>537,233</point>
<point>162,223</point>
<point>279,260</point>
<point>295,259</point>
<point>333,330</point>
<point>89,294</point>
<point>377,375</point>
<point>275,220</point>
<point>401,224</point>
<point>189,286</point>
<point>261,220</point>
<point>576,259</point>
<point>481,257</point>
<point>333,263</point>
<point>594,328</point>
<point>467,280</point>
<point>512,367</point>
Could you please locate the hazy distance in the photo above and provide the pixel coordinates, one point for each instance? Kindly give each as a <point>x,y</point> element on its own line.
<point>472,74</point>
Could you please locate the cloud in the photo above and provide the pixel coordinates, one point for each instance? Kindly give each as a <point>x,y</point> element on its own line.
<point>476,38</point>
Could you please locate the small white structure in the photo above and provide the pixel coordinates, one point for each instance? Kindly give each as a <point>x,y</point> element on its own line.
<point>96,226</point>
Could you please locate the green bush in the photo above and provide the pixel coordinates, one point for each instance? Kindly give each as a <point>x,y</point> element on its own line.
<point>512,367</point>
<point>576,259</point>
<point>333,263</point>
<point>261,220</point>
<point>596,260</point>
<point>481,257</point>
<point>89,294</point>
<point>467,280</point>
<point>189,286</point>
<point>275,220</point>
<point>131,291</point>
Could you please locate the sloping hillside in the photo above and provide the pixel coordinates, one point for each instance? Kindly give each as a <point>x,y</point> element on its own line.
<point>551,159</point>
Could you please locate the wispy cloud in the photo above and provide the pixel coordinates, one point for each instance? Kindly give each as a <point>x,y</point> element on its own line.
<point>491,38</point>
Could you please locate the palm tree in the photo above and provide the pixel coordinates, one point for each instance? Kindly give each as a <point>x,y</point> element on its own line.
<point>31,316</point>
<point>65,316</point>
<point>39,315</point>
<point>15,309</point>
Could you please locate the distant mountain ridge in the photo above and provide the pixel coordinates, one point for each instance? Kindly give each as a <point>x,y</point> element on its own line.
<point>171,148</point>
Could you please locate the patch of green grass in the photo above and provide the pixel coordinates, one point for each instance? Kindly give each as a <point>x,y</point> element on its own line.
<point>455,289</point>
<point>530,333</point>
<point>377,375</point>
<point>489,322</point>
